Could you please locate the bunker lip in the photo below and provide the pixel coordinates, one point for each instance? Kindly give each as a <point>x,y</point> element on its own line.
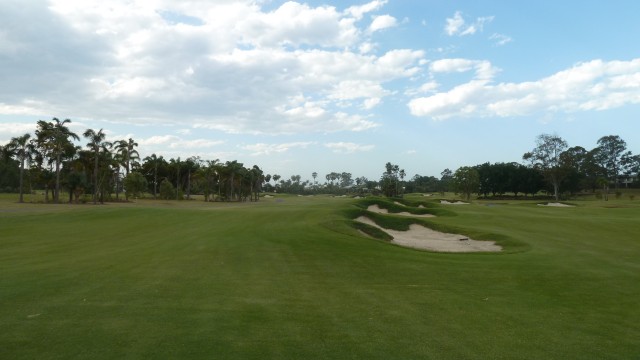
<point>377,209</point>
<point>423,238</point>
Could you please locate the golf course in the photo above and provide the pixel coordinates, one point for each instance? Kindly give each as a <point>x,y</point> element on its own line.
<point>297,277</point>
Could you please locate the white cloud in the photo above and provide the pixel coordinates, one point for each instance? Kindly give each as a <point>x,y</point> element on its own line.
<point>454,24</point>
<point>382,22</point>
<point>9,130</point>
<point>458,26</point>
<point>224,65</point>
<point>483,69</point>
<point>268,149</point>
<point>358,11</point>
<point>348,147</point>
<point>594,85</point>
<point>175,142</point>
<point>370,103</point>
<point>500,39</point>
<point>354,89</point>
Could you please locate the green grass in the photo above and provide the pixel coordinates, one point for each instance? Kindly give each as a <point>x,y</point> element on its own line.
<point>289,278</point>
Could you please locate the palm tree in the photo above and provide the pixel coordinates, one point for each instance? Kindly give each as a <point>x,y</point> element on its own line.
<point>24,150</point>
<point>96,140</point>
<point>127,151</point>
<point>54,139</point>
<point>155,161</point>
<point>233,168</point>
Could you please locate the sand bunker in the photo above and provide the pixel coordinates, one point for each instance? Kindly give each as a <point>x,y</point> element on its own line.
<point>556,204</point>
<point>453,203</point>
<point>379,210</point>
<point>420,237</point>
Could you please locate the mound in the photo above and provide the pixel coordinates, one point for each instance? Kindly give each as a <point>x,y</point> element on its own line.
<point>420,237</point>
<point>379,210</point>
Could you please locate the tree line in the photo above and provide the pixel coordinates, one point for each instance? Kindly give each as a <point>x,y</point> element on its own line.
<point>556,168</point>
<point>109,171</point>
<point>50,160</point>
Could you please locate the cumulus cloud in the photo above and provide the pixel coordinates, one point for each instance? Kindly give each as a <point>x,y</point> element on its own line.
<point>225,65</point>
<point>358,11</point>
<point>382,22</point>
<point>593,85</point>
<point>348,147</point>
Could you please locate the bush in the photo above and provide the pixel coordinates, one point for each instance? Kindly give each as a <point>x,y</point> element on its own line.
<point>167,191</point>
<point>135,184</point>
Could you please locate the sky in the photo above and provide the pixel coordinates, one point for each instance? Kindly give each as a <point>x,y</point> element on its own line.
<point>299,87</point>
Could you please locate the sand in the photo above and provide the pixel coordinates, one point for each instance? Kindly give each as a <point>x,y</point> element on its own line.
<point>453,203</point>
<point>556,205</point>
<point>379,210</point>
<point>420,237</point>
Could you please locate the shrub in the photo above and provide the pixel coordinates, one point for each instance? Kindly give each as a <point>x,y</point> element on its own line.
<point>167,191</point>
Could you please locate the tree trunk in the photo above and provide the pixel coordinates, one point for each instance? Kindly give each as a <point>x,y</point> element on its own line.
<point>189,185</point>
<point>155,182</point>
<point>56,192</point>
<point>21,179</point>
<point>95,180</point>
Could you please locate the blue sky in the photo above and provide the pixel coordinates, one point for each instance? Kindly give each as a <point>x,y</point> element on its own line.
<point>298,87</point>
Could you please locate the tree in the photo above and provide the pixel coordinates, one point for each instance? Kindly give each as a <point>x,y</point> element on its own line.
<point>96,141</point>
<point>9,170</point>
<point>233,168</point>
<point>167,191</point>
<point>466,181</point>
<point>546,157</point>
<point>257,178</point>
<point>53,138</point>
<point>126,150</point>
<point>135,183</point>
<point>446,177</point>
<point>314,175</point>
<point>24,151</point>
<point>611,150</point>
<point>275,178</point>
<point>390,180</point>
<point>155,161</point>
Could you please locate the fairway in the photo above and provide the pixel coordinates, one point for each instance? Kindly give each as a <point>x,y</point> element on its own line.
<point>288,278</point>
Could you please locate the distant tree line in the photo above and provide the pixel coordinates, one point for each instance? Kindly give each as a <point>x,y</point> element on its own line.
<point>108,171</point>
<point>50,161</point>
<point>556,168</point>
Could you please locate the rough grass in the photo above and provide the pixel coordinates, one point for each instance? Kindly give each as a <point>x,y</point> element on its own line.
<point>290,279</point>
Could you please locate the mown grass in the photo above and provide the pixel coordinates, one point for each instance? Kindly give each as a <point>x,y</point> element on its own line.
<point>289,278</point>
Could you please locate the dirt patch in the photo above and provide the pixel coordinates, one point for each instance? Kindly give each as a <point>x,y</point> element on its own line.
<point>379,210</point>
<point>420,237</point>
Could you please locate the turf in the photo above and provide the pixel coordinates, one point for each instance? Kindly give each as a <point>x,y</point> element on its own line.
<point>287,278</point>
